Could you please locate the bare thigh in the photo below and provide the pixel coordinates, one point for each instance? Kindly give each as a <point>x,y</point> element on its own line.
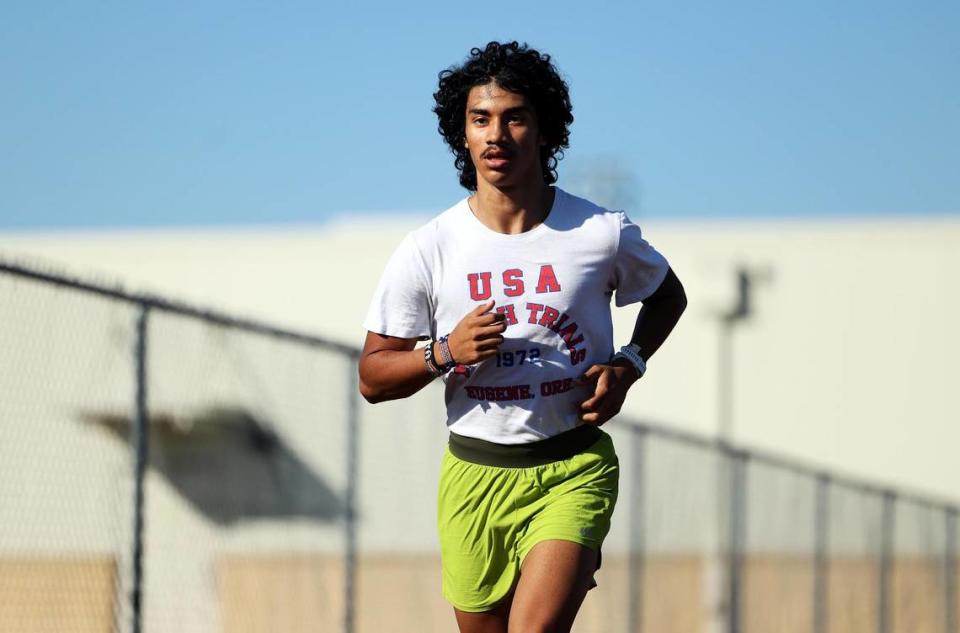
<point>554,580</point>
<point>493,621</point>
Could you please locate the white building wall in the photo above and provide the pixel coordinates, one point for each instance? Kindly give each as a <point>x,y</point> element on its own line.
<point>848,361</point>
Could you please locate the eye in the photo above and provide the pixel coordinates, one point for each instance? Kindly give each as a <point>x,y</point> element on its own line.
<point>480,120</point>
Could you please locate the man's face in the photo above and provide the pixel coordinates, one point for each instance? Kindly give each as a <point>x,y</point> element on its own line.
<point>503,137</point>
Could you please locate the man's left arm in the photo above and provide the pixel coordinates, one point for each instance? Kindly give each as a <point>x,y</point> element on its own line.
<point>657,318</point>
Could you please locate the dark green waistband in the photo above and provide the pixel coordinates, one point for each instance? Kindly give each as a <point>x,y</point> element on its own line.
<point>552,449</point>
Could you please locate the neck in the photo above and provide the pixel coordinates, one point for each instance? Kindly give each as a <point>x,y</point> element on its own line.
<point>512,211</point>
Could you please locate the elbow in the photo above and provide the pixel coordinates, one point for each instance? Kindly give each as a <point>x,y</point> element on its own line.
<point>679,305</point>
<point>681,301</point>
<point>370,393</point>
<point>671,296</point>
<point>677,294</point>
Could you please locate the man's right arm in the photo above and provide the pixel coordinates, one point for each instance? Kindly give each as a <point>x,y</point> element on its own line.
<point>390,367</point>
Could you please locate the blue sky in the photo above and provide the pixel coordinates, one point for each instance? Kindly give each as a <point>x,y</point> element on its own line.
<point>175,113</point>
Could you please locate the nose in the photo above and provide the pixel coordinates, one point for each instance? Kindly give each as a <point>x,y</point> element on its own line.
<point>497,131</point>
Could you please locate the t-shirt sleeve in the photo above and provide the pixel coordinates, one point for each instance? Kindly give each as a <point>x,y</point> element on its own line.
<point>638,268</point>
<point>402,304</point>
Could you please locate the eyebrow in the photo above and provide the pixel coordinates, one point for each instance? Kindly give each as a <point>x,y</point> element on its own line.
<point>512,110</point>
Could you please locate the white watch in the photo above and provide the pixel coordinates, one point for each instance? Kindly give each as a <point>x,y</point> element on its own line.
<point>631,352</point>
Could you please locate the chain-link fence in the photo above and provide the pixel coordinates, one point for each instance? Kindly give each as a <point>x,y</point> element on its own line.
<point>164,468</point>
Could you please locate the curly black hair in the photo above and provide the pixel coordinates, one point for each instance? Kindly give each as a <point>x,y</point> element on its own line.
<point>517,68</point>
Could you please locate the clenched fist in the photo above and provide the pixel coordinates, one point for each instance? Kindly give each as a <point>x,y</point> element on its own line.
<point>610,384</point>
<point>478,335</point>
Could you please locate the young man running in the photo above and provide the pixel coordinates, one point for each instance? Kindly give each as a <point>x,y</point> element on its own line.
<point>512,287</point>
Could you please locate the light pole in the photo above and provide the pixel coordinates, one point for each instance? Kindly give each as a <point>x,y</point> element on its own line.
<point>729,319</point>
<point>732,467</point>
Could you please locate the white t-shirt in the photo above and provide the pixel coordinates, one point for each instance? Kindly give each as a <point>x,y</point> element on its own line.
<point>554,282</point>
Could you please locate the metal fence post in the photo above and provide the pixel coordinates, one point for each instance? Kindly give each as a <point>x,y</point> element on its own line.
<point>350,497</point>
<point>140,443</point>
<point>950,584</point>
<point>820,558</point>
<point>738,523</point>
<point>637,514</point>
<point>886,560</point>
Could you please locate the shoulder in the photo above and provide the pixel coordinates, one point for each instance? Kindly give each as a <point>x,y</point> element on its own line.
<point>579,214</point>
<point>576,210</point>
<point>423,244</point>
<point>429,236</point>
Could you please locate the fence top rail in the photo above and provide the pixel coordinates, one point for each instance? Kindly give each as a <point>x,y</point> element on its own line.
<point>154,302</point>
<point>793,464</point>
<point>642,426</point>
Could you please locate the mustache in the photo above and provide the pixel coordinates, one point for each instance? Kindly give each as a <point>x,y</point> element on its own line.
<point>500,151</point>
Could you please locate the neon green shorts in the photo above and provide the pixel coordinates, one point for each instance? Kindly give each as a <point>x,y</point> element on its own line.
<point>490,517</point>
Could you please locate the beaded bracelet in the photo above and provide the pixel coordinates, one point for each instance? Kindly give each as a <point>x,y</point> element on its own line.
<point>446,356</point>
<point>430,361</point>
